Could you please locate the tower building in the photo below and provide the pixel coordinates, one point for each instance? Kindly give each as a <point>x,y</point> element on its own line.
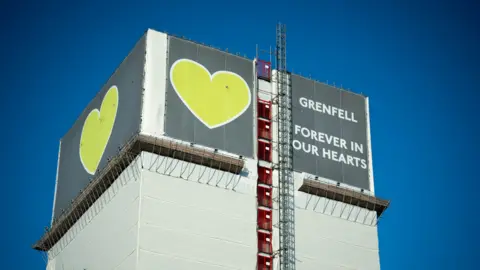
<point>190,157</point>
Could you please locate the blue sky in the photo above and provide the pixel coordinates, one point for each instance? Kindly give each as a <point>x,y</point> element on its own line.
<point>416,60</point>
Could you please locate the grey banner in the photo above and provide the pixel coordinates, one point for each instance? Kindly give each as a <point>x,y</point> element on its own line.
<point>329,132</point>
<point>107,123</point>
<point>195,109</point>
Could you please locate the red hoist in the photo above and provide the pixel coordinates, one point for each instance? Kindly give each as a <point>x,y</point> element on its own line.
<point>264,181</point>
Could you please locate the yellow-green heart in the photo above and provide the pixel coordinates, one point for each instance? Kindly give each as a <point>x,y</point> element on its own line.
<point>96,131</point>
<point>215,99</point>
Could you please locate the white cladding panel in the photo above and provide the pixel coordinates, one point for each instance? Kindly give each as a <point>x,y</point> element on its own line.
<point>188,224</point>
<point>153,108</point>
<point>264,90</point>
<point>334,243</point>
<point>105,237</point>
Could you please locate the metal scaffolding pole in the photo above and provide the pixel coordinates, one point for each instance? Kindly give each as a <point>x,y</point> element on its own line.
<point>285,153</point>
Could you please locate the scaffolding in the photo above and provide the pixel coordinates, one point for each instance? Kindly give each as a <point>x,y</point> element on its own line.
<point>343,202</point>
<point>285,153</point>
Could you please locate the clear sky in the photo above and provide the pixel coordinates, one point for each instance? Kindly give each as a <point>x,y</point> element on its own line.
<point>416,60</point>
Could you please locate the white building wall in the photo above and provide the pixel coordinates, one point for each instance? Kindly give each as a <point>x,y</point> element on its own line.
<point>163,213</point>
<point>189,224</point>
<point>332,235</point>
<point>105,237</point>
<point>327,242</point>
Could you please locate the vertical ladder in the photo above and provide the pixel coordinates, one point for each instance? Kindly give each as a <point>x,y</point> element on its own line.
<point>285,153</point>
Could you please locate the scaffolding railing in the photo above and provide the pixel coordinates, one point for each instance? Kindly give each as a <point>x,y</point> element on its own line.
<point>366,209</point>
